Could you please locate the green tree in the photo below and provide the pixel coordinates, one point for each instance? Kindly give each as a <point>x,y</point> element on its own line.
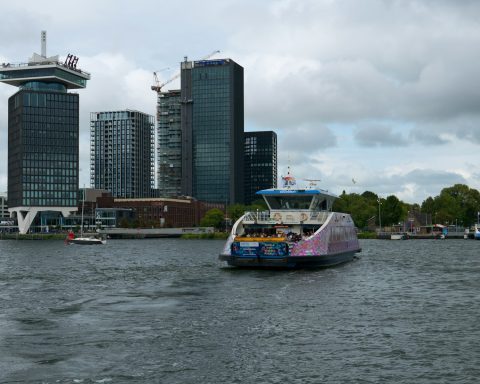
<point>456,204</point>
<point>213,218</point>
<point>393,210</point>
<point>235,211</point>
<point>360,207</point>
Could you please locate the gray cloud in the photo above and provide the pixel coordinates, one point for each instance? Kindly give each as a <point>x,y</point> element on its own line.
<point>430,136</point>
<point>307,139</point>
<point>378,135</point>
<point>333,78</point>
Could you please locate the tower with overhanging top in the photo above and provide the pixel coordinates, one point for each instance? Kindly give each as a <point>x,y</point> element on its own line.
<point>43,136</point>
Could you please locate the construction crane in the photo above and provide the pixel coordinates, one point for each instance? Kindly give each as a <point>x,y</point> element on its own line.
<point>158,87</point>
<point>155,78</point>
<point>210,55</point>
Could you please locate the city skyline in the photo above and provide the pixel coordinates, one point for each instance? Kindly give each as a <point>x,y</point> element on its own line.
<point>378,96</point>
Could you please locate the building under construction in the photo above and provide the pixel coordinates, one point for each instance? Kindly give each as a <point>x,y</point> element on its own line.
<point>169,147</point>
<point>200,132</point>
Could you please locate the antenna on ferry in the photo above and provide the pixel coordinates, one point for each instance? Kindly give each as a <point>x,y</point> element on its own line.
<point>288,180</point>
<point>312,182</point>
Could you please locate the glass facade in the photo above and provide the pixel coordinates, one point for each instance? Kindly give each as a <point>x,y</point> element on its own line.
<point>169,150</point>
<point>217,131</point>
<point>122,153</point>
<point>43,148</point>
<point>260,163</point>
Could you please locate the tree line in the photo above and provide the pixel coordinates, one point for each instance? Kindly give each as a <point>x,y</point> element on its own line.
<point>456,205</point>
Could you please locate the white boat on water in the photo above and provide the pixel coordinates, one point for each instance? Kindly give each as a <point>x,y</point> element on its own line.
<point>87,241</point>
<point>90,240</point>
<point>299,230</point>
<point>476,233</point>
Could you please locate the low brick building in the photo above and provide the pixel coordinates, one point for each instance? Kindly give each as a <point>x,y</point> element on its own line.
<point>162,212</point>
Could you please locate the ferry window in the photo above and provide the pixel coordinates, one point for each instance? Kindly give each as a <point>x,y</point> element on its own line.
<point>289,202</point>
<point>323,205</point>
<point>315,203</point>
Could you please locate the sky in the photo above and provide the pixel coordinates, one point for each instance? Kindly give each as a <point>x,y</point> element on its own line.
<point>377,95</point>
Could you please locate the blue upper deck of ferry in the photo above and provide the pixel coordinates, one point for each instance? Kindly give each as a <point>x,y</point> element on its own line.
<point>290,197</point>
<point>287,191</point>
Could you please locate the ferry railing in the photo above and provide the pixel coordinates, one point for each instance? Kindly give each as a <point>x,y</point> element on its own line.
<point>320,216</point>
<point>264,216</point>
<point>257,216</point>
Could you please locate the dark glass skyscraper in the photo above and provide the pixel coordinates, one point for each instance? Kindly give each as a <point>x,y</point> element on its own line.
<point>212,130</point>
<point>43,136</point>
<point>260,163</point>
<point>122,153</point>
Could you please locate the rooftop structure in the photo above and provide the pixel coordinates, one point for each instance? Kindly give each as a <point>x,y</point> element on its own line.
<point>47,70</point>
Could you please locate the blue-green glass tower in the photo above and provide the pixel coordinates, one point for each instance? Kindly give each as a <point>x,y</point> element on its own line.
<point>212,130</point>
<point>43,135</point>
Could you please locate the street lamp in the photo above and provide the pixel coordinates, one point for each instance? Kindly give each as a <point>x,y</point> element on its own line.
<point>379,215</point>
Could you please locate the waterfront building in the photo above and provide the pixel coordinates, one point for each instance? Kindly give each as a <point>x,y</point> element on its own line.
<point>43,136</point>
<point>169,145</point>
<point>212,121</point>
<point>122,153</point>
<point>3,207</point>
<point>154,212</point>
<point>260,163</point>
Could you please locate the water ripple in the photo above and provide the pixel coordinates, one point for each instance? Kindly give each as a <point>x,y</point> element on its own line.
<point>164,311</point>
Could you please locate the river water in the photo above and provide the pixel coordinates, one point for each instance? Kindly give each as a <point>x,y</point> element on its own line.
<point>166,311</point>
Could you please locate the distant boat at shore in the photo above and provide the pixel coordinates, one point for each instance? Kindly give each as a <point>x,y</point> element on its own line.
<point>91,240</point>
<point>476,233</point>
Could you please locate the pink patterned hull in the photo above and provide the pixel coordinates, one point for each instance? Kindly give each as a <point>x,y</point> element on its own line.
<point>337,235</point>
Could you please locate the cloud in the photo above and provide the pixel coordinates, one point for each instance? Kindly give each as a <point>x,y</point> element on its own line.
<point>379,135</point>
<point>307,139</point>
<point>411,186</point>
<point>334,79</point>
<point>428,136</point>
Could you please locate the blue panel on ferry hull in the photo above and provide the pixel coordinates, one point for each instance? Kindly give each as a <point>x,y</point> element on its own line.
<point>289,262</point>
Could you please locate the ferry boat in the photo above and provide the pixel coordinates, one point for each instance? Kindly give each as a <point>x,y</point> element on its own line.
<point>299,230</point>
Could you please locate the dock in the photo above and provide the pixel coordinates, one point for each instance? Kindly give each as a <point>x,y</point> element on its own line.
<point>145,233</point>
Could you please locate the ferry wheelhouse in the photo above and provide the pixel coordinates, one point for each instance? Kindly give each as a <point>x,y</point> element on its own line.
<point>299,230</point>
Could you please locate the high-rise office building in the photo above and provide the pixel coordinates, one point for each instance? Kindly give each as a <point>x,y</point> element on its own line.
<point>212,119</point>
<point>43,136</point>
<point>122,153</point>
<point>260,163</point>
<point>169,145</point>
